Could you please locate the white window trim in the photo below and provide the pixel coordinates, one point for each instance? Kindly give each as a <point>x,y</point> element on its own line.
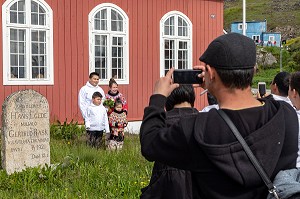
<point>6,45</point>
<point>189,39</point>
<point>240,26</point>
<point>126,43</point>
<point>256,36</point>
<point>271,38</point>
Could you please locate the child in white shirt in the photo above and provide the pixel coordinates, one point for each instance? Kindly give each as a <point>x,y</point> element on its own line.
<point>96,120</point>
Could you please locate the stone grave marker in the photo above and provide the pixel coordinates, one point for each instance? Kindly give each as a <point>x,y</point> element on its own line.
<point>25,131</point>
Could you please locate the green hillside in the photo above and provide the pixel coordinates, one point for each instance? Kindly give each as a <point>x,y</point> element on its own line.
<point>281,15</point>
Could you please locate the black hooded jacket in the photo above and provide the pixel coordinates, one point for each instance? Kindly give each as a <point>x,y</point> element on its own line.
<point>166,181</point>
<point>205,145</point>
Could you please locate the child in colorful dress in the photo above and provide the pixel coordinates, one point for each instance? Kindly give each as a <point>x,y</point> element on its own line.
<point>117,122</point>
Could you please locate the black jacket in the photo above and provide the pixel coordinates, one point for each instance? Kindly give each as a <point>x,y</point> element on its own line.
<point>166,181</point>
<point>205,145</point>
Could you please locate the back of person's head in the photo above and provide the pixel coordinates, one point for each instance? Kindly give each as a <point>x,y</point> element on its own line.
<point>183,93</point>
<point>234,57</point>
<point>111,82</point>
<point>211,99</point>
<point>282,82</point>
<point>96,94</point>
<point>92,74</point>
<point>295,81</point>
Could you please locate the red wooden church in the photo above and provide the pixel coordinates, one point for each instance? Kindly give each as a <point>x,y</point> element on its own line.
<point>51,46</point>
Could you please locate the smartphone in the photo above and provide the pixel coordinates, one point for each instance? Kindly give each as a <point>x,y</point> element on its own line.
<point>187,76</point>
<point>262,88</point>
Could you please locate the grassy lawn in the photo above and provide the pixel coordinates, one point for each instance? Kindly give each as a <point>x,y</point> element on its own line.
<point>79,171</point>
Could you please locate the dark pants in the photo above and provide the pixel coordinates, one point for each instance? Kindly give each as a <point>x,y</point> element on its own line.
<point>94,138</point>
<point>118,138</point>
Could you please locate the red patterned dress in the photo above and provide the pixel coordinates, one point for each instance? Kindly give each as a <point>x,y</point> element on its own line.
<point>117,122</point>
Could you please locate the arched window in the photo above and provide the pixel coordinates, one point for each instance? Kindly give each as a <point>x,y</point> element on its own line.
<point>27,43</point>
<point>176,42</point>
<point>108,36</point>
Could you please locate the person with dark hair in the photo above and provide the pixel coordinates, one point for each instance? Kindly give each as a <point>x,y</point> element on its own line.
<point>211,99</point>
<point>280,87</point>
<point>184,94</point>
<point>205,145</point>
<point>96,120</point>
<point>212,103</point>
<point>86,92</point>
<point>294,95</point>
<point>117,122</point>
<point>114,93</point>
<point>166,181</point>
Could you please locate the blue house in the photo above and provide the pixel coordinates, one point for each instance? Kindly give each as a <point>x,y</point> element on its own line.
<point>256,30</point>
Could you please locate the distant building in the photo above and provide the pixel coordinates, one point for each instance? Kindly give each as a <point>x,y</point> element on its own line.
<point>256,30</point>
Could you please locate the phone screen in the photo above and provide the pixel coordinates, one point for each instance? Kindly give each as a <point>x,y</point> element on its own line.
<point>187,76</point>
<point>262,88</point>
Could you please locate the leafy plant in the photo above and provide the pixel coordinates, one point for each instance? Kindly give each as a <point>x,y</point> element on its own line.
<point>110,102</point>
<point>66,131</point>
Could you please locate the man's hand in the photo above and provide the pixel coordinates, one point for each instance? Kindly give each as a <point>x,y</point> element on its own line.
<point>200,67</point>
<point>164,85</point>
<point>258,96</point>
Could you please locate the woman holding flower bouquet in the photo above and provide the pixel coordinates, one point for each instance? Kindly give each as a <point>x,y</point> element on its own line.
<point>112,95</point>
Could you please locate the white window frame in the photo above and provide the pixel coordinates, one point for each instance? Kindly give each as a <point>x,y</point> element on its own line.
<point>110,34</point>
<point>271,38</point>
<point>176,38</point>
<point>240,26</point>
<point>258,36</point>
<point>48,28</point>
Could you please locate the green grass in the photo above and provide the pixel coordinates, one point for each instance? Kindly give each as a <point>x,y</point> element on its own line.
<point>82,172</point>
<point>265,76</point>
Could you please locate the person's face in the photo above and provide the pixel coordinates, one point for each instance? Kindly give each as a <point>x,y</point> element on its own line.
<point>119,107</point>
<point>94,80</point>
<point>114,88</point>
<point>273,88</point>
<point>97,101</point>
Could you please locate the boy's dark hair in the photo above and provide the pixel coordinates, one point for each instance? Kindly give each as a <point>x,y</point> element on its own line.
<point>211,99</point>
<point>96,94</point>
<point>118,101</point>
<point>94,74</point>
<point>282,82</point>
<point>184,93</point>
<point>236,79</point>
<point>111,82</point>
<point>295,81</point>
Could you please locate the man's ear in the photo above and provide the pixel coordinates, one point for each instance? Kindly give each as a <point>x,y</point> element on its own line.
<point>294,93</point>
<point>275,88</point>
<point>211,72</point>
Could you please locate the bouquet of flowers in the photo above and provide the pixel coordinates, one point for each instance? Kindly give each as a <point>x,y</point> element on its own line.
<point>109,103</point>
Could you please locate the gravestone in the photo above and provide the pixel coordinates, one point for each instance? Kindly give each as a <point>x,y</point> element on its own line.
<point>25,131</point>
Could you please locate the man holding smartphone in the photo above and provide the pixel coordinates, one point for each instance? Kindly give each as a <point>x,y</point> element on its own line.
<point>205,145</point>
<point>280,87</point>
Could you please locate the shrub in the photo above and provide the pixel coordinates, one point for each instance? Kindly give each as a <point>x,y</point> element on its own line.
<point>66,131</point>
<point>294,45</point>
<point>293,66</point>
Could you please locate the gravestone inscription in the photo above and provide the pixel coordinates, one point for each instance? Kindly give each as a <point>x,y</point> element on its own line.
<point>25,131</point>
